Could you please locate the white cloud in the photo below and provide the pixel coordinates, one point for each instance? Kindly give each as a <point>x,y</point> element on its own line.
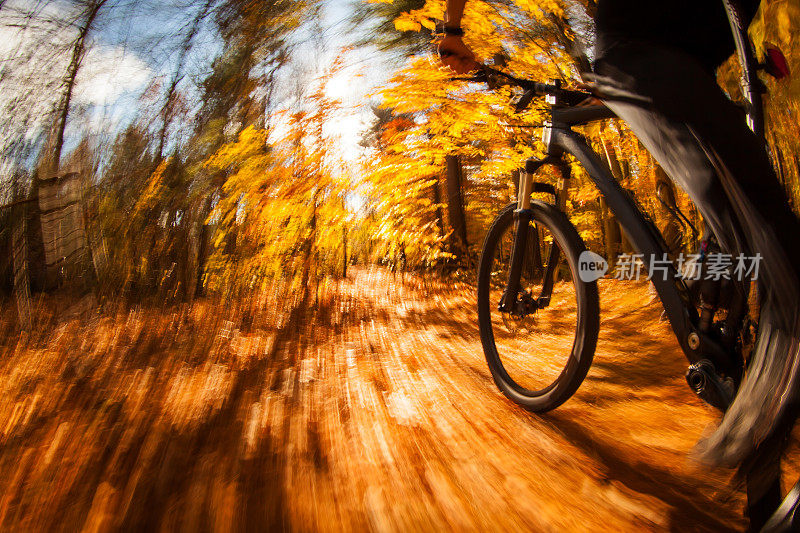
<point>108,73</point>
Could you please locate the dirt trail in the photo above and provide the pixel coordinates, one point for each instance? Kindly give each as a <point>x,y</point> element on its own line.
<point>387,420</point>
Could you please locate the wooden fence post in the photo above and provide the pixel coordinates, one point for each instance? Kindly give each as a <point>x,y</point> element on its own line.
<point>19,252</point>
<point>62,228</point>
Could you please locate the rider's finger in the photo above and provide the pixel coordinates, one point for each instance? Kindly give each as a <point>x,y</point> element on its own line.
<point>466,64</point>
<point>453,61</point>
<point>459,63</point>
<point>461,66</point>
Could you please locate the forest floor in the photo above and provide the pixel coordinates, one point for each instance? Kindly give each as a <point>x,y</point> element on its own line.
<point>380,414</point>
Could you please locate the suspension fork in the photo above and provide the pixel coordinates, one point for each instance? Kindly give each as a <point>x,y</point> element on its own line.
<point>522,219</point>
<point>523,215</point>
<point>555,251</point>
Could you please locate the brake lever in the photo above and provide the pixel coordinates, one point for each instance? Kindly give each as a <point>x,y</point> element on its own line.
<point>495,78</point>
<point>478,78</point>
<point>525,101</point>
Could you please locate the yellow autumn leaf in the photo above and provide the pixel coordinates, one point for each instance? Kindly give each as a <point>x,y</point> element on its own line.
<point>405,23</point>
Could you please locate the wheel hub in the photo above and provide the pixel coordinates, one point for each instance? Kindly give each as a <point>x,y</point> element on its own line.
<point>522,314</point>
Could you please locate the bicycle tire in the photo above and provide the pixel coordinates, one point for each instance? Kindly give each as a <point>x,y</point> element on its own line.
<point>587,324</point>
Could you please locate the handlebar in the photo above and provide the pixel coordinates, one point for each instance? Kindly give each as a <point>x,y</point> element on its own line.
<point>491,76</point>
<point>486,74</point>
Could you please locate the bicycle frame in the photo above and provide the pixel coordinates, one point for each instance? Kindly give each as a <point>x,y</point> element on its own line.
<point>640,230</point>
<point>752,87</point>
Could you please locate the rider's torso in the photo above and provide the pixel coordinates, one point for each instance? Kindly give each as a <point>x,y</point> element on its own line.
<point>699,27</point>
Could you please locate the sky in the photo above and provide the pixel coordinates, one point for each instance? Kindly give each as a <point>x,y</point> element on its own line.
<point>364,71</point>
<point>129,51</point>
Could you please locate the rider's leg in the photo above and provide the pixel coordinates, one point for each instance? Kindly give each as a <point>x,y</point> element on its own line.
<point>700,139</point>
<point>763,480</point>
<point>688,108</point>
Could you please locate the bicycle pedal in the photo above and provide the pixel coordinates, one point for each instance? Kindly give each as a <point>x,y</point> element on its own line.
<point>703,379</point>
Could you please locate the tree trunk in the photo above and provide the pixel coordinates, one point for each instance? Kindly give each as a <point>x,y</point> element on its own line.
<point>177,76</point>
<point>673,229</point>
<point>437,201</point>
<point>308,251</point>
<point>344,252</point>
<point>515,177</point>
<point>19,253</point>
<point>535,264</point>
<point>611,231</point>
<point>611,228</point>
<point>202,252</point>
<point>611,158</point>
<point>69,80</point>
<point>455,207</point>
<point>344,238</point>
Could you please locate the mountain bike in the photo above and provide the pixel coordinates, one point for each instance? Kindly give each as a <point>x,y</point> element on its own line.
<point>530,286</point>
<point>531,261</point>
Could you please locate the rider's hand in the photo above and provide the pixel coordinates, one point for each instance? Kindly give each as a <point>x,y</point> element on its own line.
<point>457,55</point>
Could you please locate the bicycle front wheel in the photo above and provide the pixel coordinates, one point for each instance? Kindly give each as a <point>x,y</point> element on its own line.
<point>538,357</point>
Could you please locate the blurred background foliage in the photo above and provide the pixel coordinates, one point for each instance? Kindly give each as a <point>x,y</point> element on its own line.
<point>223,176</point>
<point>539,40</point>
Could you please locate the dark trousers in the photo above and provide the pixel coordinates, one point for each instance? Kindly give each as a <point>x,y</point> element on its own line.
<point>700,138</point>
<point>683,114</point>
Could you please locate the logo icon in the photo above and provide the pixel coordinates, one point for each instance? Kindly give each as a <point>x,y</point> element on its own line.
<point>591,266</point>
